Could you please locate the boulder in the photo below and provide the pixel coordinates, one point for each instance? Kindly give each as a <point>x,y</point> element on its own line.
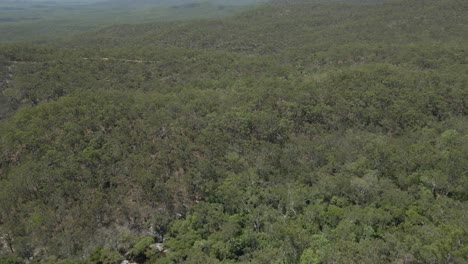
<point>158,247</point>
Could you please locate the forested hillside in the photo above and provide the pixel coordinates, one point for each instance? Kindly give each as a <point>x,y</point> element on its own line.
<point>294,132</point>
<point>42,21</point>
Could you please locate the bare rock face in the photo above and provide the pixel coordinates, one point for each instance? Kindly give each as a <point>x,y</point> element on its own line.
<point>5,245</point>
<point>127,262</point>
<point>158,247</point>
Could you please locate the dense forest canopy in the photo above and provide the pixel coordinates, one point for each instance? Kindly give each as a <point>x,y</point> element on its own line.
<point>49,21</point>
<point>287,132</point>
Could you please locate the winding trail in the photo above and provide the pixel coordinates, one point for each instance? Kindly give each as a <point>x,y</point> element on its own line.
<point>90,59</point>
<point>122,60</point>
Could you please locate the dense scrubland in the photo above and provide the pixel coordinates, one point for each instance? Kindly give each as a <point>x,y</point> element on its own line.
<point>42,21</point>
<point>293,132</point>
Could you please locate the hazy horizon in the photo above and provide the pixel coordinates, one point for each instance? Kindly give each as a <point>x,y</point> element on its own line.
<point>165,2</point>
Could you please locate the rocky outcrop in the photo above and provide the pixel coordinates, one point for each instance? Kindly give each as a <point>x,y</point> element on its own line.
<point>5,244</point>
<point>159,248</point>
<point>127,262</point>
